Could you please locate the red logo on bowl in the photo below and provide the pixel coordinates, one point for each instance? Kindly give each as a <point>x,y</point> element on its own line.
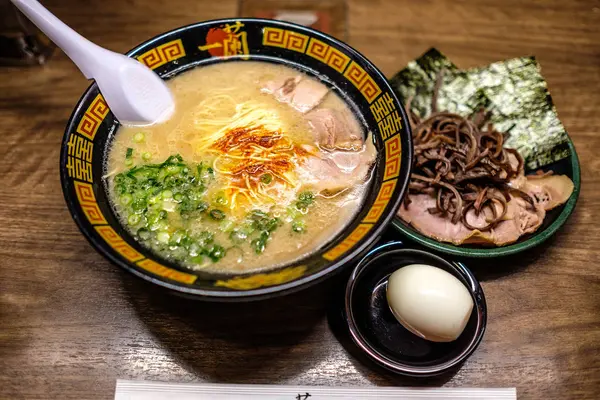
<point>226,40</point>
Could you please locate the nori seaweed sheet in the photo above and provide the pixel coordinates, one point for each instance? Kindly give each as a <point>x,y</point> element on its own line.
<point>513,90</point>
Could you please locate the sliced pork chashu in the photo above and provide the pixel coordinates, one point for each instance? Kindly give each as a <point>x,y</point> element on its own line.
<point>344,158</point>
<point>335,129</point>
<point>519,220</point>
<point>334,171</point>
<point>341,158</point>
<point>300,93</point>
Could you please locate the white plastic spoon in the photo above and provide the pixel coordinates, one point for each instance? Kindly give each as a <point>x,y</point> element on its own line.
<point>134,93</point>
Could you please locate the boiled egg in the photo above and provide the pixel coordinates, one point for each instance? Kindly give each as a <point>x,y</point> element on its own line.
<point>429,302</point>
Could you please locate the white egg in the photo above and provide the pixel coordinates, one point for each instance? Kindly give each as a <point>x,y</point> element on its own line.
<point>429,302</point>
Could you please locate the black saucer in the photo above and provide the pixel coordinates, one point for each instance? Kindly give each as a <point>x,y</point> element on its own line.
<point>383,339</point>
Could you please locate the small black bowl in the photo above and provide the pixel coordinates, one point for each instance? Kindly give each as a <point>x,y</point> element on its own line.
<point>376,331</point>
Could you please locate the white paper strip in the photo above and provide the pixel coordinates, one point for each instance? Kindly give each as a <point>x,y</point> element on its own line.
<point>140,390</point>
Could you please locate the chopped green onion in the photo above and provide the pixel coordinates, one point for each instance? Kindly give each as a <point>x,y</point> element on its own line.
<point>220,198</point>
<point>206,237</point>
<point>163,237</point>
<point>266,178</point>
<point>156,216</point>
<point>146,192</point>
<point>197,260</point>
<point>202,206</point>
<point>292,213</point>
<point>169,205</point>
<point>158,226</point>
<point>259,244</point>
<point>126,199</point>
<point>226,225</point>
<point>120,188</point>
<point>133,219</point>
<point>306,196</point>
<point>305,199</point>
<point>298,226</point>
<point>173,159</point>
<point>271,224</point>
<point>216,214</point>
<point>177,237</point>
<point>138,205</point>
<point>216,252</point>
<point>258,215</point>
<point>194,249</point>
<point>186,205</point>
<point>238,236</point>
<point>139,137</point>
<point>144,233</point>
<point>264,223</point>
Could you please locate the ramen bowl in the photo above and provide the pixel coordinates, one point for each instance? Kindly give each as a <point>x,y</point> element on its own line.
<point>92,127</point>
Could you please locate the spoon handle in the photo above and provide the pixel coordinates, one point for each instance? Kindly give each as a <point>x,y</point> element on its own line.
<point>80,50</point>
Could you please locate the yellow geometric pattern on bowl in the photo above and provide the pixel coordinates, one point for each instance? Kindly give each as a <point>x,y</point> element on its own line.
<point>115,241</point>
<point>79,169</point>
<point>327,55</point>
<point>285,39</point>
<point>363,81</point>
<point>87,201</point>
<point>158,269</point>
<point>261,280</point>
<point>381,202</point>
<point>80,147</point>
<point>393,152</point>
<point>162,54</point>
<point>93,117</point>
<point>386,115</point>
<point>352,239</point>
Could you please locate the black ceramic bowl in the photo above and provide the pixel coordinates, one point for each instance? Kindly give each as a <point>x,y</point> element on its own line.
<point>92,128</point>
<point>375,330</point>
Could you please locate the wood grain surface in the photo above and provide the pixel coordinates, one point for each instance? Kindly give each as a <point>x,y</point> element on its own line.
<point>71,323</point>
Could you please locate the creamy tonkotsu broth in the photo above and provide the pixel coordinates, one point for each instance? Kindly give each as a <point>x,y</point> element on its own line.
<point>259,166</point>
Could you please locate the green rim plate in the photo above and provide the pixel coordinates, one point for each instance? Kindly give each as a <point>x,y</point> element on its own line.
<point>554,220</point>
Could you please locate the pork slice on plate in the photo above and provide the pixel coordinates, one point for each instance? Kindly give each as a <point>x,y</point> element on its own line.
<point>549,191</point>
<point>546,189</point>
<point>519,220</point>
<point>301,93</point>
<point>435,226</point>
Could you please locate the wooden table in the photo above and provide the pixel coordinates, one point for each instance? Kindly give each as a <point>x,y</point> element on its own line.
<point>71,323</point>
